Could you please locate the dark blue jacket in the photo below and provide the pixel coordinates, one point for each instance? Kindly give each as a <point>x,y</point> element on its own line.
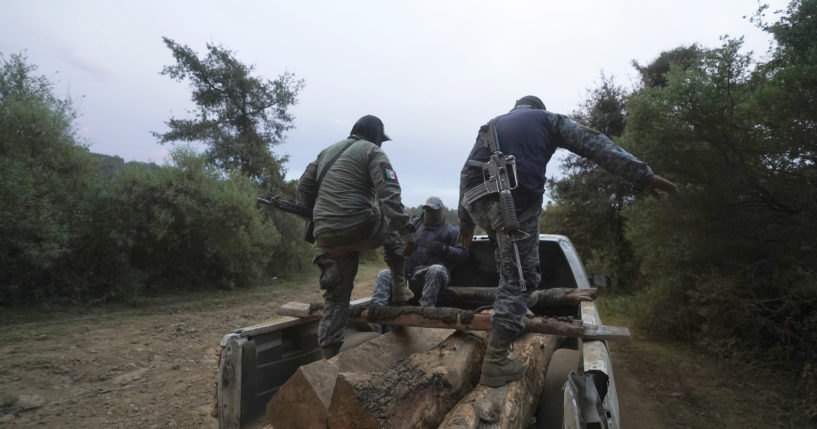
<point>445,233</point>
<point>532,135</point>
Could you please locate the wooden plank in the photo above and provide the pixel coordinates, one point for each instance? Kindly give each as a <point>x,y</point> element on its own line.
<point>463,320</point>
<point>606,333</point>
<point>512,405</point>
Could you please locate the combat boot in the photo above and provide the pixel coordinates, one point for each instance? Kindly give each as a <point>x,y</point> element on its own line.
<point>400,293</point>
<point>330,351</point>
<point>497,367</point>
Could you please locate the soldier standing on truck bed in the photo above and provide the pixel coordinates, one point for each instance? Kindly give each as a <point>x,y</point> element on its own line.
<point>429,267</point>
<point>530,134</point>
<point>355,200</point>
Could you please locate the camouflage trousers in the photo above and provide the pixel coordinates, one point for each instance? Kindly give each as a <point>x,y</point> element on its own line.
<point>338,265</point>
<point>511,301</point>
<point>434,277</point>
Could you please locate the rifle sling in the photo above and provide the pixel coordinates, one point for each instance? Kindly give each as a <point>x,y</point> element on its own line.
<point>329,165</point>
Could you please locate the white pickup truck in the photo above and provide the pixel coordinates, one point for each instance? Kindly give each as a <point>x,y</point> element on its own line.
<point>579,391</point>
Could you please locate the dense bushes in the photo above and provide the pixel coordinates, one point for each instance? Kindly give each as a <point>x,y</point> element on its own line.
<point>731,262</point>
<point>86,227</point>
<point>733,257</point>
<point>181,227</point>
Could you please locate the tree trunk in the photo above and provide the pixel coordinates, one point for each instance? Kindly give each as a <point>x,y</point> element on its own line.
<point>414,393</point>
<point>459,319</point>
<point>512,405</point>
<point>303,401</point>
<point>539,299</point>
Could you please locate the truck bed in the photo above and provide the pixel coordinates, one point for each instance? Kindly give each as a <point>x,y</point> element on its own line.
<point>257,360</point>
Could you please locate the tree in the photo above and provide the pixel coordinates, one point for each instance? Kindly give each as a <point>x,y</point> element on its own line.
<point>731,260</point>
<point>44,187</point>
<point>655,74</point>
<point>240,117</point>
<point>586,204</point>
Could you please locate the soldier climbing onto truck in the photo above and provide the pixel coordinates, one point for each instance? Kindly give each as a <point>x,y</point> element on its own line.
<point>436,255</point>
<point>355,200</point>
<point>501,189</point>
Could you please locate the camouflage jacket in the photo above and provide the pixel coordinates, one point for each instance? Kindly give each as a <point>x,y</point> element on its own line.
<point>532,135</point>
<point>354,190</point>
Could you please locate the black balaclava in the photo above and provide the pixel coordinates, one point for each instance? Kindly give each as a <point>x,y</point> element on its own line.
<point>433,217</point>
<point>370,127</point>
<point>433,212</point>
<point>532,101</point>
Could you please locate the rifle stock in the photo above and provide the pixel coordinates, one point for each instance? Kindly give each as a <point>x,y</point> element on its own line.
<point>296,209</point>
<point>287,206</point>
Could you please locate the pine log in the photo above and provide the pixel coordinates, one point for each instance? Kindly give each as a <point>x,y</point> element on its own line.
<point>510,406</point>
<point>303,401</point>
<point>414,393</point>
<point>459,319</point>
<point>539,299</point>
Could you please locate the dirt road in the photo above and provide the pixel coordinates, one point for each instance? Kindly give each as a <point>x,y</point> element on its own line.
<point>153,368</point>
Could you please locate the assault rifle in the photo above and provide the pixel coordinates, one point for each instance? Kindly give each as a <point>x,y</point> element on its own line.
<point>296,209</point>
<point>499,176</point>
<point>287,206</point>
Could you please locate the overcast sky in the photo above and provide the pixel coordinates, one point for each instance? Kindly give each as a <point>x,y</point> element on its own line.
<point>433,71</point>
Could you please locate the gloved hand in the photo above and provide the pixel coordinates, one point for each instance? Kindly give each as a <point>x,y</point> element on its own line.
<point>408,244</point>
<point>437,249</point>
<point>659,185</point>
<point>465,235</point>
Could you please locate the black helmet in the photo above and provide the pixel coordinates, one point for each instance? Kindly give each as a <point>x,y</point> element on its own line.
<point>532,101</point>
<point>370,127</point>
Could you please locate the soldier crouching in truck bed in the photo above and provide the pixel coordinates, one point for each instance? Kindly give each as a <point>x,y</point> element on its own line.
<point>429,267</point>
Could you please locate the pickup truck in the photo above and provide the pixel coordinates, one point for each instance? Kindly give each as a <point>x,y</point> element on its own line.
<point>579,391</point>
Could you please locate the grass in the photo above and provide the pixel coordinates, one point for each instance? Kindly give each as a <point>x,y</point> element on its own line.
<point>177,302</point>
<point>170,302</point>
<point>696,389</point>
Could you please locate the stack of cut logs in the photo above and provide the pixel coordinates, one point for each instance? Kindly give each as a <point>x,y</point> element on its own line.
<point>417,377</point>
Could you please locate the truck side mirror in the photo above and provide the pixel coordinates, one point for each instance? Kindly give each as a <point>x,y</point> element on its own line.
<point>599,281</point>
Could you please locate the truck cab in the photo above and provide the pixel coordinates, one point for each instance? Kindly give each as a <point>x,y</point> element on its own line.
<point>579,390</point>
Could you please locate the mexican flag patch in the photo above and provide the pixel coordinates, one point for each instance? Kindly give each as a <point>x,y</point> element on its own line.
<point>391,175</point>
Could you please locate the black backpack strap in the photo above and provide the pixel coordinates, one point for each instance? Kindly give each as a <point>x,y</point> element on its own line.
<point>329,165</point>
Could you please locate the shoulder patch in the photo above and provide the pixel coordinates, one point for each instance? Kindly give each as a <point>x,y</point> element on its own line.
<point>390,175</point>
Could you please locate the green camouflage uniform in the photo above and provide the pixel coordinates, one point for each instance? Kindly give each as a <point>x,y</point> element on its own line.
<point>357,207</point>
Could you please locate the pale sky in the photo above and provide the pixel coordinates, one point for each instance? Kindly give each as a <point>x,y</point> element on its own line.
<point>433,71</point>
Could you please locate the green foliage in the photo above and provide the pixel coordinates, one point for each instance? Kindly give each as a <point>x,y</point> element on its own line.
<point>655,74</point>
<point>732,258</point>
<point>239,116</point>
<point>44,183</point>
<point>181,228</point>
<point>86,228</point>
<point>586,204</point>
<point>730,262</point>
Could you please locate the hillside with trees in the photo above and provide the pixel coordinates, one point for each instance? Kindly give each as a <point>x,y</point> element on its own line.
<point>87,228</point>
<point>729,264</point>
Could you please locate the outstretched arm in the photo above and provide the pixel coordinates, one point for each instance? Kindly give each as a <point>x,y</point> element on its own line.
<point>659,186</point>
<point>597,147</point>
